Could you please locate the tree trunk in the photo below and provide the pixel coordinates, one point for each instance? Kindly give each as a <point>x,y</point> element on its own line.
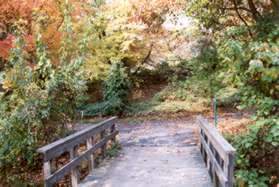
<point>275,4</point>
<point>256,15</point>
<point>241,18</point>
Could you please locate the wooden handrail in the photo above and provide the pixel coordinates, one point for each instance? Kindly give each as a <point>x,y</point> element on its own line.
<point>217,153</point>
<point>107,132</point>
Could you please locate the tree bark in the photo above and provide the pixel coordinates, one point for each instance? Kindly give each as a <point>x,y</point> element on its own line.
<point>148,54</point>
<point>275,4</point>
<point>256,15</point>
<point>241,18</point>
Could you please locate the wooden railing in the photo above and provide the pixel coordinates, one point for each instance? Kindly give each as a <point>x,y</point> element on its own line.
<point>106,132</point>
<point>217,153</point>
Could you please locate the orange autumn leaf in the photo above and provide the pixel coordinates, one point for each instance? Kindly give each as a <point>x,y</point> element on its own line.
<point>33,16</point>
<point>5,46</point>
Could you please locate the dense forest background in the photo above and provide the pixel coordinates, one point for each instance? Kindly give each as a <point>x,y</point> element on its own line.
<point>61,58</point>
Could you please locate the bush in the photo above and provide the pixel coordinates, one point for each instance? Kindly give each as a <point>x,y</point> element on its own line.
<point>116,91</point>
<point>251,178</point>
<point>35,108</point>
<point>257,153</point>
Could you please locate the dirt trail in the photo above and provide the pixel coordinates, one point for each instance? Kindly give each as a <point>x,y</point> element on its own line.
<point>154,154</point>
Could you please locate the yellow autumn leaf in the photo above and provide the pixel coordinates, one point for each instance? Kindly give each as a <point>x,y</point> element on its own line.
<point>7,84</point>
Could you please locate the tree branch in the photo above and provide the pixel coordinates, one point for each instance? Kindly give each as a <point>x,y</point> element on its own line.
<point>275,4</point>
<point>239,8</point>
<point>254,11</point>
<point>241,18</point>
<point>147,57</point>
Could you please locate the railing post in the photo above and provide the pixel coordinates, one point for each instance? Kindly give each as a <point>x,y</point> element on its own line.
<point>214,177</point>
<point>74,172</point>
<point>103,149</point>
<point>89,143</point>
<point>113,128</point>
<point>229,169</point>
<point>47,171</point>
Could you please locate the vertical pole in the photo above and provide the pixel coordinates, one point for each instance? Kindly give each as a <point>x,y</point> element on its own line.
<point>74,172</point>
<point>47,171</point>
<point>229,168</point>
<point>103,148</point>
<point>89,143</point>
<point>215,111</point>
<point>82,115</point>
<point>112,131</point>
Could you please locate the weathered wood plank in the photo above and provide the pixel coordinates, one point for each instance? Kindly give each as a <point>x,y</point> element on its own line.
<point>56,176</point>
<point>229,169</point>
<point>222,178</point>
<point>74,172</point>
<point>47,170</point>
<point>218,152</point>
<point>218,141</point>
<point>58,147</point>
<point>89,145</point>
<point>103,148</point>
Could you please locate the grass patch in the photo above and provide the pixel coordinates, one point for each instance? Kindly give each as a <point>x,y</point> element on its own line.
<point>171,99</point>
<point>113,150</point>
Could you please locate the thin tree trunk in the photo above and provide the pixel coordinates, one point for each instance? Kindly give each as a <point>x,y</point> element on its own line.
<point>275,4</point>
<point>241,18</point>
<point>254,11</point>
<point>148,54</point>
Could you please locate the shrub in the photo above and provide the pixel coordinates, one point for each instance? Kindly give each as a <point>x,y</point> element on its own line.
<point>116,91</point>
<point>257,153</point>
<point>37,104</point>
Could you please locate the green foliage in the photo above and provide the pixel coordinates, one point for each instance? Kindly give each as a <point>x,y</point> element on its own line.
<point>177,96</point>
<point>113,150</point>
<point>117,85</point>
<point>250,178</point>
<point>37,105</point>
<point>257,157</point>
<point>116,91</point>
<point>252,70</point>
<point>204,71</point>
<point>243,72</point>
<point>206,11</point>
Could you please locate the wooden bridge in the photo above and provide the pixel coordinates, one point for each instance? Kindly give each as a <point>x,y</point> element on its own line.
<point>155,153</point>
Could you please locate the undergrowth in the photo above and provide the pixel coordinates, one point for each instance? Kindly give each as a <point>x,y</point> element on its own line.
<point>115,93</point>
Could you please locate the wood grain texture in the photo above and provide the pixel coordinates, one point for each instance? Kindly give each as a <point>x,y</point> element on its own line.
<point>217,153</point>
<point>58,147</point>
<point>69,143</point>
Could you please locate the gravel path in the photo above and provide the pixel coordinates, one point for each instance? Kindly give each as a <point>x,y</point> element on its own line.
<point>154,154</point>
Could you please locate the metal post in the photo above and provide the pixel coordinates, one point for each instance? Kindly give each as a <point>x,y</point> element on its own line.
<point>215,111</point>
